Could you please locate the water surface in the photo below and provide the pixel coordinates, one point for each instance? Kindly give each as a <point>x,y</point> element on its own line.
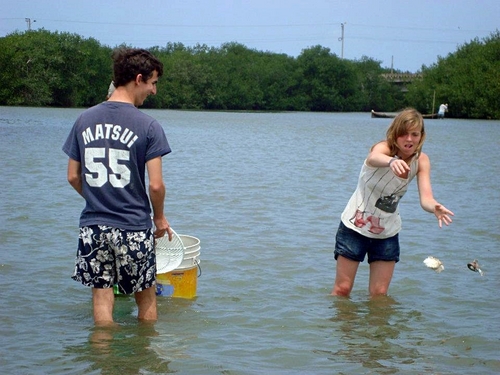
<point>263,192</point>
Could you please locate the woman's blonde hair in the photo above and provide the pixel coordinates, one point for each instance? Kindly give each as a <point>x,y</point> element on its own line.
<point>408,120</point>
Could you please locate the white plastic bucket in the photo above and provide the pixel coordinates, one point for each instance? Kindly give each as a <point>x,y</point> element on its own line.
<point>182,281</point>
<point>192,253</point>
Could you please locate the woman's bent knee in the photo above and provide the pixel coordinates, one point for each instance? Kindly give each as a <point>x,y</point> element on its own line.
<point>341,290</point>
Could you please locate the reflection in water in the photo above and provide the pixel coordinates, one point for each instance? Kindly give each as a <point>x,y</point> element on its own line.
<point>123,349</point>
<point>370,331</point>
<point>120,350</point>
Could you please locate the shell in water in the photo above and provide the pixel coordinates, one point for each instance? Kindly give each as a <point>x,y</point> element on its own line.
<point>474,266</point>
<point>434,263</point>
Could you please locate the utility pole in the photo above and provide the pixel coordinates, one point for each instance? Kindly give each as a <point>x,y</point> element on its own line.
<point>341,39</point>
<point>28,21</point>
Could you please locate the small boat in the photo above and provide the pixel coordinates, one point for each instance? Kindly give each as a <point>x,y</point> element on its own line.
<point>430,115</point>
<point>394,114</point>
<point>383,114</point>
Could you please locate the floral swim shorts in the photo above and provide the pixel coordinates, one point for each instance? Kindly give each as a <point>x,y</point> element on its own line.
<point>107,256</point>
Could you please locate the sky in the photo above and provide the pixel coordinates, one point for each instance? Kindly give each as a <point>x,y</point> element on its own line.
<point>404,34</point>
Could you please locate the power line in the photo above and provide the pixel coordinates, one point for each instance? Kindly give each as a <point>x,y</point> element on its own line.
<point>458,29</point>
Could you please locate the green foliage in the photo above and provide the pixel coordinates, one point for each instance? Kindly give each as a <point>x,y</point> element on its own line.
<point>42,68</point>
<point>468,80</point>
<point>52,69</point>
<point>320,85</point>
<point>377,93</point>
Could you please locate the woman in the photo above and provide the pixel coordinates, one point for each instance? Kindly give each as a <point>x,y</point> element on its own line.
<point>370,222</point>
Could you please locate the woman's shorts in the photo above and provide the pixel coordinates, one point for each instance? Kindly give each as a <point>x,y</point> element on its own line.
<point>355,246</point>
<point>107,256</point>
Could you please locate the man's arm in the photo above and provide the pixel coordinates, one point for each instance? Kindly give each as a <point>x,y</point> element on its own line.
<point>157,192</point>
<point>75,175</point>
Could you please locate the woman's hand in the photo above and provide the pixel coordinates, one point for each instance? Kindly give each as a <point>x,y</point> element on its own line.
<point>443,214</point>
<point>399,166</point>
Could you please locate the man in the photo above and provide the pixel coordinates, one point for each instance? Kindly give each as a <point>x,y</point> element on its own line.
<point>109,147</point>
<point>442,109</point>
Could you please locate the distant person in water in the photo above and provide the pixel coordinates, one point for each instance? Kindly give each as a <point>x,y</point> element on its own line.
<point>442,109</point>
<point>370,223</point>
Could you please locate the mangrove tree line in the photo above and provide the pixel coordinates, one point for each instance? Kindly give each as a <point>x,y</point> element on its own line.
<point>43,68</point>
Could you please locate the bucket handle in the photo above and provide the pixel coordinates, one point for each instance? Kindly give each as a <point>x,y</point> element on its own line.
<point>199,267</point>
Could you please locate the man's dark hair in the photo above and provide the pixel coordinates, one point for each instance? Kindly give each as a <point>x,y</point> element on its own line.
<point>129,62</point>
